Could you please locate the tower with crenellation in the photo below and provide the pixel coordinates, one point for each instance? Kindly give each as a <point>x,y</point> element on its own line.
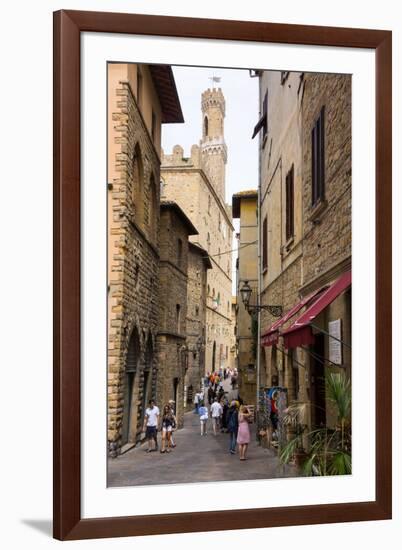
<point>197,184</point>
<point>212,145</point>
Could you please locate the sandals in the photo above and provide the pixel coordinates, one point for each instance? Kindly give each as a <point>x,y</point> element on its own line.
<point>164,451</point>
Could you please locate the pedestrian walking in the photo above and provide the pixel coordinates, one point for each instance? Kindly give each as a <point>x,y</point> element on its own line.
<point>216,413</point>
<point>203,412</point>
<point>173,409</point>
<point>243,434</point>
<point>196,402</point>
<point>151,421</point>
<point>225,409</point>
<point>233,426</point>
<point>211,395</point>
<point>168,423</point>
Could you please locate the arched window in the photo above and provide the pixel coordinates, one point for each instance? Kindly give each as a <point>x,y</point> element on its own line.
<point>153,210</point>
<point>206,127</point>
<point>138,187</point>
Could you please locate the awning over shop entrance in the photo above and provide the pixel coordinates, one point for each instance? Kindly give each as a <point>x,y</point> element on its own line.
<point>271,335</point>
<point>300,333</point>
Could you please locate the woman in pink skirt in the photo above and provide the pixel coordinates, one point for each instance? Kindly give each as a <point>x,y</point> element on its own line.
<point>243,435</point>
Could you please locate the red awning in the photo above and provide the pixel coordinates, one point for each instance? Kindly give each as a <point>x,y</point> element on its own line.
<point>271,335</point>
<point>299,333</point>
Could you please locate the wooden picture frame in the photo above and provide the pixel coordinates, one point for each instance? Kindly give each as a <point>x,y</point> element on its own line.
<point>68,523</point>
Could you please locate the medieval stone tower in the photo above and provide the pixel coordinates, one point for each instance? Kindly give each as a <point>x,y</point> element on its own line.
<point>213,147</point>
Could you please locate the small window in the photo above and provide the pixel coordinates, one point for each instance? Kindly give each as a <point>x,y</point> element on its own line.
<point>290,204</point>
<point>197,311</point>
<point>206,127</point>
<point>265,243</point>
<point>318,160</point>
<point>219,222</point>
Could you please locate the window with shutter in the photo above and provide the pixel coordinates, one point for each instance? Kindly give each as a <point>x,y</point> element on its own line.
<point>318,159</point>
<point>262,124</point>
<point>290,204</point>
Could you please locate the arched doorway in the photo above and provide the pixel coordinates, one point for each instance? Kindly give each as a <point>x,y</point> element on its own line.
<point>213,356</point>
<point>129,410</point>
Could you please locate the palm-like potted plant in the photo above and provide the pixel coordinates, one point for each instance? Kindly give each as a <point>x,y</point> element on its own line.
<point>329,451</point>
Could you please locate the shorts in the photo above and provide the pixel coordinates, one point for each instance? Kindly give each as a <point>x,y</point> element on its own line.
<point>151,432</point>
<point>167,429</point>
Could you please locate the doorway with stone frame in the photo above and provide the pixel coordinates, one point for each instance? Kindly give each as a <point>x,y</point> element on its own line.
<point>130,412</point>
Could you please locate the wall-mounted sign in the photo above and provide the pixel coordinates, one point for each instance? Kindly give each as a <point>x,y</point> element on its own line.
<point>335,346</point>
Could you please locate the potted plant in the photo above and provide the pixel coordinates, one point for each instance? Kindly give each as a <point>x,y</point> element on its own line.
<point>329,449</point>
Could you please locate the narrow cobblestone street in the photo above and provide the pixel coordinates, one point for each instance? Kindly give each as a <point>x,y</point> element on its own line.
<point>195,459</point>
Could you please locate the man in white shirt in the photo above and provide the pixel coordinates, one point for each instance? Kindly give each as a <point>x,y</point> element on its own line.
<point>151,421</point>
<point>216,412</point>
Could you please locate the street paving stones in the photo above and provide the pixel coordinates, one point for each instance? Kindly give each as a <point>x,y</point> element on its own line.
<point>196,458</point>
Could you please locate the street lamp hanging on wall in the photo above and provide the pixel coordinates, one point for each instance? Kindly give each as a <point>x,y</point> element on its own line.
<point>245,293</point>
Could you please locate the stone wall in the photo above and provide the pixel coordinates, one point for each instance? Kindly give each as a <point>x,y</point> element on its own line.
<point>327,227</point>
<point>172,309</point>
<point>188,185</point>
<point>321,249</point>
<point>195,320</point>
<point>133,269</point>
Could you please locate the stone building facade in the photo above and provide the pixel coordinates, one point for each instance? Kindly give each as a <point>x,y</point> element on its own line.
<point>244,207</point>
<point>175,229</point>
<point>198,265</point>
<point>305,153</point>
<point>197,184</point>
<point>140,99</point>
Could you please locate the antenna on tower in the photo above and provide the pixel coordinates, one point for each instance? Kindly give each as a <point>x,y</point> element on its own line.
<point>214,79</point>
